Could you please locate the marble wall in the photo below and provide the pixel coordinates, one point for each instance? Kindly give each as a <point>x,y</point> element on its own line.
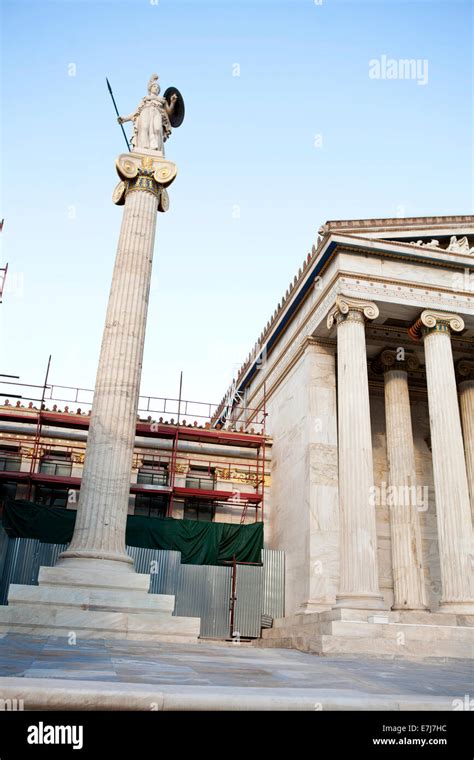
<point>302,517</point>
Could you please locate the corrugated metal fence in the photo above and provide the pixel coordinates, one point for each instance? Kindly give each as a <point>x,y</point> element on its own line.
<point>200,590</point>
<point>204,591</point>
<point>23,559</point>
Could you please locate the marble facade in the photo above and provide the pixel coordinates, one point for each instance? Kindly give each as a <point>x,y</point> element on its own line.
<point>369,391</point>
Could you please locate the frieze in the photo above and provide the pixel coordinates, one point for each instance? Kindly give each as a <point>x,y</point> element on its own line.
<point>354,285</point>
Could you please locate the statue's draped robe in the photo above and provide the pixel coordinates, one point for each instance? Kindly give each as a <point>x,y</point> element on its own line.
<point>151,125</point>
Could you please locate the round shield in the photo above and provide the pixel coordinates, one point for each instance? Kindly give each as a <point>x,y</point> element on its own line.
<point>177,116</point>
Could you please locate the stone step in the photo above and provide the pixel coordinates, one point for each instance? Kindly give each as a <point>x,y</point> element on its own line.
<point>93,575</point>
<point>35,619</point>
<point>424,618</point>
<point>466,620</point>
<point>388,647</point>
<point>410,631</point>
<point>296,620</point>
<point>291,631</point>
<point>381,647</point>
<point>88,598</point>
<point>93,633</point>
<point>398,616</point>
<point>277,643</point>
<point>360,629</point>
<point>393,616</point>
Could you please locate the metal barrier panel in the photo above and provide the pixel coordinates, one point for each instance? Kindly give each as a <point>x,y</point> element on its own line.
<point>273,583</point>
<point>23,560</point>
<point>3,549</point>
<point>48,555</point>
<point>200,590</point>
<point>164,568</point>
<point>204,591</point>
<point>249,601</point>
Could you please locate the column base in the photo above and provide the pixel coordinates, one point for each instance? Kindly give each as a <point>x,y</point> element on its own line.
<point>94,573</point>
<point>360,602</point>
<point>98,554</point>
<point>457,608</point>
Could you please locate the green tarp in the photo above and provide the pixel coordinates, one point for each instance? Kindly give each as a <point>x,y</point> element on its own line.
<point>200,543</point>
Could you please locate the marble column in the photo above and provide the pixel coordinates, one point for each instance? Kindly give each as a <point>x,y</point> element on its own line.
<point>359,585</point>
<point>408,577</point>
<point>453,511</point>
<point>103,502</point>
<point>465,369</point>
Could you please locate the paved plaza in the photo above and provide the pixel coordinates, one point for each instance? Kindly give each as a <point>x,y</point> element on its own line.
<point>48,673</point>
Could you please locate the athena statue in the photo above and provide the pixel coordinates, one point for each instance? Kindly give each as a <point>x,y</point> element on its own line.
<point>151,120</point>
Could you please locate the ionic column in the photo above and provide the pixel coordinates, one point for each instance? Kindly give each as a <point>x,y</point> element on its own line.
<point>465,369</point>
<point>103,502</point>
<point>453,511</point>
<point>408,580</point>
<point>359,585</point>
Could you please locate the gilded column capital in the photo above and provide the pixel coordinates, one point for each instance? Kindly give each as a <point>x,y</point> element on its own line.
<point>391,359</point>
<point>351,309</point>
<point>140,171</point>
<point>432,320</point>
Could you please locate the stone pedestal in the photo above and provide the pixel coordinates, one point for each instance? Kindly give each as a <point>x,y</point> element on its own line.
<point>359,586</point>
<point>449,464</point>
<point>94,600</point>
<point>408,577</point>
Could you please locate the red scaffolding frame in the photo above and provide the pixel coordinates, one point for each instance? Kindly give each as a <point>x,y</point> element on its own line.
<point>174,430</point>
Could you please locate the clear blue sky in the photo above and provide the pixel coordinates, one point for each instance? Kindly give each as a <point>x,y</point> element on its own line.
<point>388,147</point>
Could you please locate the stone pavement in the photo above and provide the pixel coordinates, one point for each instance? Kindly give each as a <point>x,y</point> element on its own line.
<point>46,672</point>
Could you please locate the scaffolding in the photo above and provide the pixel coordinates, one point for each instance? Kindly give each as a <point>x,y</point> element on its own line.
<point>220,484</point>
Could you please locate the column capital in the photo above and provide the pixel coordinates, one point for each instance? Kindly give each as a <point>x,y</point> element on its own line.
<point>354,309</point>
<point>391,359</point>
<point>432,320</point>
<point>465,369</point>
<point>143,170</point>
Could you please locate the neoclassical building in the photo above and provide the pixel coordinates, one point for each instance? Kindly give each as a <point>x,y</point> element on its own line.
<point>366,372</point>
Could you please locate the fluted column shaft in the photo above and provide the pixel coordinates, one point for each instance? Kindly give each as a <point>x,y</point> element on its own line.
<point>103,502</point>
<point>407,565</point>
<point>359,585</point>
<point>449,465</point>
<point>466,404</point>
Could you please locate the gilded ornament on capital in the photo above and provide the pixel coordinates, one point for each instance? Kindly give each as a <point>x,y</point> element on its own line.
<point>118,195</point>
<point>164,201</point>
<point>147,162</point>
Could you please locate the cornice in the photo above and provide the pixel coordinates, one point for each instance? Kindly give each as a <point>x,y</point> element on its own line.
<point>425,258</point>
<point>402,223</point>
<point>358,250</point>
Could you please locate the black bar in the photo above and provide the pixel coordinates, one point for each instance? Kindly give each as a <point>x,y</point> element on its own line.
<point>116,111</point>
<point>336,733</point>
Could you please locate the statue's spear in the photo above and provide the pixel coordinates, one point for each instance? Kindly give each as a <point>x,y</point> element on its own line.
<point>116,111</point>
